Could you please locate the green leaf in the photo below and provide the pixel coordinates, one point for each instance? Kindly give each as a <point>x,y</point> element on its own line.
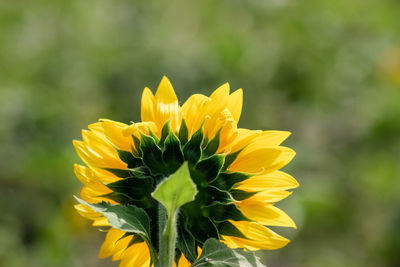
<point>126,218</point>
<point>216,254</point>
<point>129,219</point>
<point>176,190</point>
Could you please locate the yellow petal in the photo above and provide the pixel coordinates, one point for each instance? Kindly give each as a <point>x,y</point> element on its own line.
<point>113,132</point>
<point>228,132</point>
<point>269,196</point>
<point>213,108</point>
<point>223,122</point>
<point>221,94</point>
<point>92,175</point>
<point>194,105</point>
<point>265,213</point>
<point>243,138</point>
<point>92,193</point>
<point>270,181</point>
<point>147,107</point>
<point>274,242</point>
<point>85,211</point>
<point>83,153</point>
<point>235,103</point>
<point>270,138</point>
<point>120,247</point>
<point>98,143</point>
<point>83,174</point>
<point>113,235</point>
<point>262,159</point>
<point>143,127</point>
<point>166,105</point>
<point>97,155</point>
<point>101,222</point>
<point>136,255</point>
<point>183,262</point>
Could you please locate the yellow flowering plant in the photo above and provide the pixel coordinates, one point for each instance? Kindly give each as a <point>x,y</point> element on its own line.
<point>186,186</point>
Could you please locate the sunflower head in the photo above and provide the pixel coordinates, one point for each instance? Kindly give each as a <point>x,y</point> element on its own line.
<point>236,173</point>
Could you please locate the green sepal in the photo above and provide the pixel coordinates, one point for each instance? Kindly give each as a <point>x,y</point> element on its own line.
<point>226,180</point>
<point>221,213</point>
<point>172,155</point>
<point>203,228</point>
<point>135,188</point>
<point>207,170</point>
<point>227,228</point>
<point>118,197</point>
<point>152,134</point>
<point>192,149</point>
<point>140,172</point>
<point>211,194</point>
<point>240,195</point>
<point>183,133</point>
<point>205,142</point>
<point>213,145</point>
<point>217,254</point>
<point>198,225</point>
<point>129,158</point>
<point>152,154</point>
<point>136,141</point>
<point>125,235</point>
<point>230,158</point>
<point>186,241</point>
<point>135,240</point>
<point>119,172</point>
<point>166,129</point>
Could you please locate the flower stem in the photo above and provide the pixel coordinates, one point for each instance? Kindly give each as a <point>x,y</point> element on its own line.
<point>167,240</point>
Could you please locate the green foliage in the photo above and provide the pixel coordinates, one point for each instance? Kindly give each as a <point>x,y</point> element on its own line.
<point>176,190</point>
<point>216,254</point>
<point>126,218</point>
<point>129,219</point>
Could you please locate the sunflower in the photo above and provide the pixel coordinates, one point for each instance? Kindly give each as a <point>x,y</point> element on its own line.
<point>236,172</point>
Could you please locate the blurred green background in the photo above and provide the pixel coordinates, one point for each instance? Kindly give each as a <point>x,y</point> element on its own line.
<point>328,71</point>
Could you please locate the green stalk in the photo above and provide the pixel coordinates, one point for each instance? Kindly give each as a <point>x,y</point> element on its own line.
<point>167,239</point>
